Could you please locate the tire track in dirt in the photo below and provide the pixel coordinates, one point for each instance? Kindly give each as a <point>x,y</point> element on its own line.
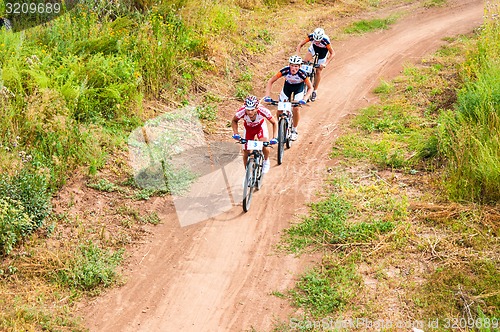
<point>217,275</point>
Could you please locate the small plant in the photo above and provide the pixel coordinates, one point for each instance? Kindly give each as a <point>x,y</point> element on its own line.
<point>365,26</point>
<point>91,268</point>
<point>104,185</point>
<point>206,113</point>
<point>151,218</point>
<point>384,87</point>
<point>144,194</point>
<point>15,223</point>
<point>434,3</point>
<point>243,89</point>
<point>327,291</point>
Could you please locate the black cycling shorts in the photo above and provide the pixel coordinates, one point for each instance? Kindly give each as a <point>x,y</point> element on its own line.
<point>288,89</point>
<point>321,51</point>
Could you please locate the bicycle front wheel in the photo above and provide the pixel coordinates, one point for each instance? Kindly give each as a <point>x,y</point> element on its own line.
<point>288,135</point>
<point>248,186</point>
<point>281,139</point>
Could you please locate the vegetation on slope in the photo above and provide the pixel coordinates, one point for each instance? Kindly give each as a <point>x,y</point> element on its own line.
<point>410,221</point>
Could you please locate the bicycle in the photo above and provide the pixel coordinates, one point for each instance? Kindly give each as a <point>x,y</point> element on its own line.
<point>285,121</point>
<point>253,173</point>
<point>310,68</point>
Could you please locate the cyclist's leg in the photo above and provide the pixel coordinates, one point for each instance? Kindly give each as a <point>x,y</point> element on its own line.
<point>321,60</point>
<point>284,96</point>
<point>295,110</point>
<point>309,55</point>
<point>263,135</point>
<point>318,76</point>
<point>248,134</point>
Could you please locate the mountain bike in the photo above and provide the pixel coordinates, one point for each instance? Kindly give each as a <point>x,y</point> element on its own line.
<point>285,121</point>
<point>310,68</point>
<point>253,175</point>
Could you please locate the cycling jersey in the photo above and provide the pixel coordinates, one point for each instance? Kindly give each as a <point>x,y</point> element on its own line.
<point>298,78</point>
<point>323,43</point>
<point>262,114</point>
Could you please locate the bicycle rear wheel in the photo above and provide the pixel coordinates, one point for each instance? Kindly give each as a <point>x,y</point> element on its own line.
<point>281,139</point>
<point>248,185</point>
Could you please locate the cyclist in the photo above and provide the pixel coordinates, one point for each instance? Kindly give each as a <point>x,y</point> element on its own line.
<point>254,116</point>
<point>5,23</point>
<point>295,80</point>
<point>320,44</point>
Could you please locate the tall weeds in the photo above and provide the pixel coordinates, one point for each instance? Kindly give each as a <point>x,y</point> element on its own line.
<point>470,135</point>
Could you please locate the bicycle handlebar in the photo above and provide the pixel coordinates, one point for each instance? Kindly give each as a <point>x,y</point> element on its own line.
<point>244,141</point>
<point>275,103</point>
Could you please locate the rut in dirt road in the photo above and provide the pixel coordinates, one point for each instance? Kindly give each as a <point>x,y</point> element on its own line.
<point>217,275</point>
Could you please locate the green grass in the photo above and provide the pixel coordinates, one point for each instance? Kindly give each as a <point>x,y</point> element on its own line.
<point>328,290</point>
<point>469,135</point>
<point>389,218</point>
<point>91,269</point>
<point>365,26</point>
<point>329,225</point>
<point>434,3</point>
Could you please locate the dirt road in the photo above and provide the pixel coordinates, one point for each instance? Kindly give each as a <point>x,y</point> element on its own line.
<point>217,275</point>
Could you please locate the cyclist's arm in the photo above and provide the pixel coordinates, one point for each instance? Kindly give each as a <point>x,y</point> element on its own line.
<point>275,127</point>
<point>271,82</point>
<point>331,55</point>
<point>302,43</point>
<point>234,125</point>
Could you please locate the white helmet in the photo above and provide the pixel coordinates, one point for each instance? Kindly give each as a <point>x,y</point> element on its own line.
<point>318,34</point>
<point>295,60</point>
<point>251,102</point>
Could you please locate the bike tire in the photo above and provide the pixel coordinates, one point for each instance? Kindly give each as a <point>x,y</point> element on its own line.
<point>248,186</point>
<point>281,139</point>
<point>259,177</point>
<point>288,136</point>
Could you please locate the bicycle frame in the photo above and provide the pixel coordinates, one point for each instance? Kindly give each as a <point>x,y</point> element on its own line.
<point>253,172</point>
<point>285,122</point>
<point>310,69</point>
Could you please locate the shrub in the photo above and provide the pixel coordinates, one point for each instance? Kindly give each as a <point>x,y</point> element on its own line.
<point>29,188</point>
<point>14,223</point>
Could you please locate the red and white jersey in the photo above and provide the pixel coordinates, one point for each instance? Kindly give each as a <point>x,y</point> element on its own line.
<point>261,116</point>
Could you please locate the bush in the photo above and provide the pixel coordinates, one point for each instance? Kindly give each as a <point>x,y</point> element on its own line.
<point>30,189</point>
<point>24,204</point>
<point>14,223</point>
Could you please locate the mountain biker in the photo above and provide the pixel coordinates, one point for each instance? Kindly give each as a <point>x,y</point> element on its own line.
<point>295,80</point>
<point>320,44</point>
<point>5,23</point>
<point>254,116</point>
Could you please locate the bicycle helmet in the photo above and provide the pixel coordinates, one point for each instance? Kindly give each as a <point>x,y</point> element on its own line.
<point>295,60</point>
<point>251,102</point>
<point>318,34</point>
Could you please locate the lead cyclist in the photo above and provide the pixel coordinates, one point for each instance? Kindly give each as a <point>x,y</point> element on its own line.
<point>320,45</point>
<point>254,118</point>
